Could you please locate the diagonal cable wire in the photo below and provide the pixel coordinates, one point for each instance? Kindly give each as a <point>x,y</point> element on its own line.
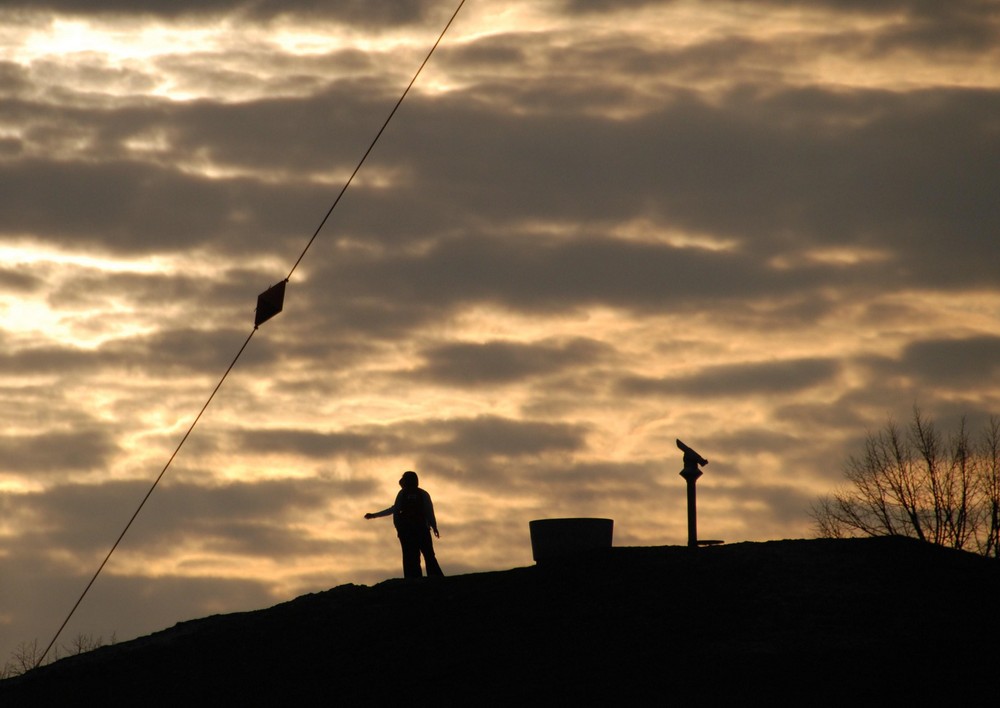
<point>377,136</point>
<point>232,364</point>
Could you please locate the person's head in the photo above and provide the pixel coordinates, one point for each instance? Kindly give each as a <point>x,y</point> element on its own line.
<point>409,480</point>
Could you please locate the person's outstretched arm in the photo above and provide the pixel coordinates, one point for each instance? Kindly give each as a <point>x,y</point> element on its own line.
<point>384,512</point>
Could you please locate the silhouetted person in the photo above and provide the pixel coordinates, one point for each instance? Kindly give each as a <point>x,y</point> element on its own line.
<point>413,517</point>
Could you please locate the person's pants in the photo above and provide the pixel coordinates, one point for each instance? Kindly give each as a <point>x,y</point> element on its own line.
<point>414,542</point>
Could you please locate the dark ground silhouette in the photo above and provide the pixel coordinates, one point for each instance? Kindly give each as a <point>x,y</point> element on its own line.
<point>818,622</point>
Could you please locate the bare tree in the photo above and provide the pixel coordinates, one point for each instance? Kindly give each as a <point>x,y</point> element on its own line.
<point>83,643</point>
<point>920,484</point>
<point>988,478</point>
<point>25,657</point>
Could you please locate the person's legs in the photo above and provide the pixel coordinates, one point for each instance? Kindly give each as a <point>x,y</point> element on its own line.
<point>427,548</point>
<point>410,544</point>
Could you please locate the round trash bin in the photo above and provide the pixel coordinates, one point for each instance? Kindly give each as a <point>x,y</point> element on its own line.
<point>559,538</point>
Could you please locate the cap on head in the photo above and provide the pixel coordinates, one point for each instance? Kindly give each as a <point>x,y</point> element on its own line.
<point>409,479</point>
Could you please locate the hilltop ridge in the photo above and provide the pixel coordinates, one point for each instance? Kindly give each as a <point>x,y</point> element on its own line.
<point>885,616</point>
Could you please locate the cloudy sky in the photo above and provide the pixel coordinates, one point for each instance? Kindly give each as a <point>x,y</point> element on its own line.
<point>593,227</point>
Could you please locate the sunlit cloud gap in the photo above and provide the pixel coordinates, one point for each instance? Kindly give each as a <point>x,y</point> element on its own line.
<point>38,254</point>
<point>34,254</point>
<point>67,37</point>
<point>161,53</point>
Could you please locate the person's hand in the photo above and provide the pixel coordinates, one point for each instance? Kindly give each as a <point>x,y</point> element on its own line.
<point>369,516</point>
<point>436,534</point>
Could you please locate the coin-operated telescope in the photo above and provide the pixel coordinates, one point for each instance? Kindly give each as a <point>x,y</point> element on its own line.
<point>693,462</point>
